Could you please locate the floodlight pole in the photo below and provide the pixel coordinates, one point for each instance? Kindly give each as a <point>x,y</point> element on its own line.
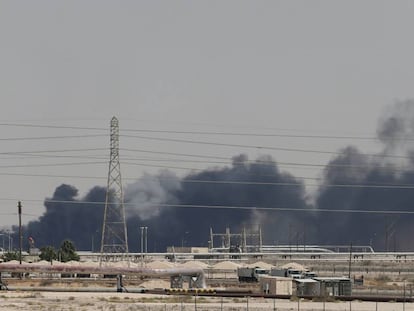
<point>142,245</point>
<point>146,239</point>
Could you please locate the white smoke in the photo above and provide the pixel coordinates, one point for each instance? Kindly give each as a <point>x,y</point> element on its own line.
<point>145,196</point>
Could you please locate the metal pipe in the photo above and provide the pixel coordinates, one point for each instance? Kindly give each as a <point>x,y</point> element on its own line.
<point>85,269</point>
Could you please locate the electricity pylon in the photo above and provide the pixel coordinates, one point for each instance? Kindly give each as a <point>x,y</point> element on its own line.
<point>114,231</point>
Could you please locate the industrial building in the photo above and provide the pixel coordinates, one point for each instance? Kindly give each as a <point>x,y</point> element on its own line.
<point>324,287</point>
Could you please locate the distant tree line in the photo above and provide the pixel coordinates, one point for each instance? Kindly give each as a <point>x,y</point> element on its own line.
<point>66,252</point>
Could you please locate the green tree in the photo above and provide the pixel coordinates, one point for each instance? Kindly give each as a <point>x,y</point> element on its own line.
<point>48,253</point>
<point>67,252</point>
<point>9,256</point>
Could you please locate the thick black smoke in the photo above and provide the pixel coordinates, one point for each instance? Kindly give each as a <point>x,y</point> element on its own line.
<point>342,188</point>
<point>174,209</point>
<point>67,217</point>
<point>223,188</point>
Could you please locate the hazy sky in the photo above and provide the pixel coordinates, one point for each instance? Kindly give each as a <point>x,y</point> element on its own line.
<point>297,67</point>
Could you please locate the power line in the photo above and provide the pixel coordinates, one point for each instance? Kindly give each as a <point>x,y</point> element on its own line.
<point>251,134</point>
<point>57,176</point>
<point>39,154</point>
<point>221,133</point>
<point>202,142</point>
<point>262,162</point>
<point>53,126</point>
<point>234,207</point>
<point>277,163</point>
<point>236,182</point>
<point>257,147</point>
<point>52,151</point>
<point>50,137</point>
<point>52,164</point>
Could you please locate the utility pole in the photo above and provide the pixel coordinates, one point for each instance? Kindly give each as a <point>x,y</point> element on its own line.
<point>146,239</point>
<point>350,260</point>
<point>142,246</point>
<point>19,208</point>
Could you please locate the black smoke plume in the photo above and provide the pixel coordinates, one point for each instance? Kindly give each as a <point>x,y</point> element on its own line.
<point>372,183</point>
<point>246,193</point>
<point>67,217</point>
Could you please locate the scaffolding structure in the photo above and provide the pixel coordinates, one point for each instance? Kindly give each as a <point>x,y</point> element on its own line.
<point>114,231</point>
<point>247,241</point>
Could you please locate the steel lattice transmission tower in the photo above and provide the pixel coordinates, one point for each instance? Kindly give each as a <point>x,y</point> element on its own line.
<point>114,231</point>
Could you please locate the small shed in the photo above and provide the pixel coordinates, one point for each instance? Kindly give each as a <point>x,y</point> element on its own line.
<point>335,286</point>
<point>307,287</point>
<point>275,285</point>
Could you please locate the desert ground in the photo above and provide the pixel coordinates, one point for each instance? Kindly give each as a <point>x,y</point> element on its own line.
<point>22,300</point>
<point>100,294</point>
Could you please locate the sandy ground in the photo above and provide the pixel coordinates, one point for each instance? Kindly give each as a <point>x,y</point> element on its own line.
<point>126,301</point>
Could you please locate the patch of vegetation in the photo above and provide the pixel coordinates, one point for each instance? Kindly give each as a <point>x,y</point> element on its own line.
<point>65,253</point>
<point>9,256</point>
<point>48,253</point>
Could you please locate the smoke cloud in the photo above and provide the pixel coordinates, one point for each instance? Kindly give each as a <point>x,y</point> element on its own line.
<point>245,195</point>
<point>376,172</point>
<point>146,195</point>
<point>396,128</point>
<point>69,217</point>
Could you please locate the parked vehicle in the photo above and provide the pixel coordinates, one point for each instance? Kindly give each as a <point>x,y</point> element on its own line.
<point>250,274</point>
<point>288,273</point>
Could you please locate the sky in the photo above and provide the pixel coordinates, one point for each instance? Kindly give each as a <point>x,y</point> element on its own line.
<point>251,68</point>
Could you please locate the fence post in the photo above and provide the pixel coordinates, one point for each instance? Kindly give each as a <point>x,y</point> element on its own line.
<point>404,298</point>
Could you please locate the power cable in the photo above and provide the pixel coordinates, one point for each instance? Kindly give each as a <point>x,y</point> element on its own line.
<point>237,182</point>
<point>233,207</point>
<point>38,154</point>
<point>52,151</point>
<point>52,164</point>
<point>51,137</point>
<point>222,133</point>
<point>256,147</point>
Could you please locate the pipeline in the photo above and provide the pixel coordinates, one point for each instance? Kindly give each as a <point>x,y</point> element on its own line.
<point>195,274</point>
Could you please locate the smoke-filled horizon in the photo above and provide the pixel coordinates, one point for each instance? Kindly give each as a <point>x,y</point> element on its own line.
<point>175,209</point>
